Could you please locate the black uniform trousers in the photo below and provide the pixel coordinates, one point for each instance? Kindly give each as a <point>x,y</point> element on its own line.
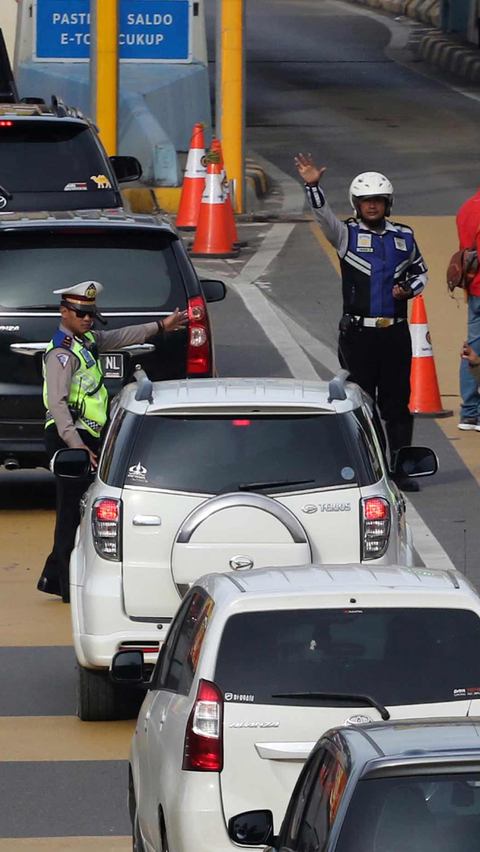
<point>380,360</point>
<point>68,496</point>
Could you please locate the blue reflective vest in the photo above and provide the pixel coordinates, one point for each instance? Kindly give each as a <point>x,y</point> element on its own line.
<point>373,264</point>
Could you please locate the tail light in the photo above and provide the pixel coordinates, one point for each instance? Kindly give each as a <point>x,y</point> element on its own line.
<point>375,527</point>
<point>199,358</point>
<point>106,527</point>
<point>203,750</point>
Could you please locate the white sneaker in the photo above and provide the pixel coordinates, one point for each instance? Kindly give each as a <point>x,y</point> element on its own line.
<point>469,424</point>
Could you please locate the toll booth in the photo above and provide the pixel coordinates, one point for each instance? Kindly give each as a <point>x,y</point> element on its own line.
<point>8,88</point>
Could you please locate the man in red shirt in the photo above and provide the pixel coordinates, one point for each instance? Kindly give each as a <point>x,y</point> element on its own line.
<point>468,226</point>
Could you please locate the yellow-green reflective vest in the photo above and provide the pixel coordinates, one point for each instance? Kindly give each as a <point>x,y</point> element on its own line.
<point>88,394</point>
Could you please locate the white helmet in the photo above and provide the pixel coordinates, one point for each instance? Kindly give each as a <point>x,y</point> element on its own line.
<point>370,184</point>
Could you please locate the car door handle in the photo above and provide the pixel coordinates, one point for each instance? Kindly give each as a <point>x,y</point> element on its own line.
<point>28,348</point>
<point>162,720</point>
<point>146,720</point>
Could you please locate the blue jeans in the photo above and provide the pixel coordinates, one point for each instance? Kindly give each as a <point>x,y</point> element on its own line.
<point>468,386</point>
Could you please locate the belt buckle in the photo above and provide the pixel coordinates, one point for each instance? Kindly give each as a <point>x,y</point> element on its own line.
<point>382,322</point>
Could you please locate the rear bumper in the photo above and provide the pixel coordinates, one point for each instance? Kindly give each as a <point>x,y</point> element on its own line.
<point>29,452</point>
<point>100,624</point>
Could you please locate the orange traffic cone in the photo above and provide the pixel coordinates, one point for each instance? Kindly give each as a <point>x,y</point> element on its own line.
<point>232,228</point>
<point>212,238</point>
<point>425,394</point>
<point>193,181</point>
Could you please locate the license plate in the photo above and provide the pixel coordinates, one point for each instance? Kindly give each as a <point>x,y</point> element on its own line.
<point>112,365</point>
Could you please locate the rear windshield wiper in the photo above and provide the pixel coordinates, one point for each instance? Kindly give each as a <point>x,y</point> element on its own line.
<point>254,486</point>
<point>338,696</point>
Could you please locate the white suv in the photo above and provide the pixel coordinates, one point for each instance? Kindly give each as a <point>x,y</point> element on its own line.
<point>220,474</point>
<point>257,666</point>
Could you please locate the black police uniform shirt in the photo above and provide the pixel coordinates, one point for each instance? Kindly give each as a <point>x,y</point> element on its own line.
<point>371,263</point>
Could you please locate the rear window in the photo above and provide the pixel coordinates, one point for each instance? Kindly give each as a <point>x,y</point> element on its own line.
<point>413,813</point>
<point>250,452</point>
<point>47,156</point>
<point>396,656</point>
<point>137,269</point>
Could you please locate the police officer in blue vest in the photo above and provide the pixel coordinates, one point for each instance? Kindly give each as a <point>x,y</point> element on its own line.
<point>381,269</point>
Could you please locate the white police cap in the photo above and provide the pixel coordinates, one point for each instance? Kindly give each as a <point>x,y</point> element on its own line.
<point>84,293</point>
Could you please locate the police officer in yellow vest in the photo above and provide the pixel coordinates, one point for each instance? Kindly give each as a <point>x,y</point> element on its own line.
<point>77,405</point>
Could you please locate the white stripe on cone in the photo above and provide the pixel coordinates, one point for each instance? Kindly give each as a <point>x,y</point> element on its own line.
<point>421,342</point>
<point>213,193</point>
<point>196,165</point>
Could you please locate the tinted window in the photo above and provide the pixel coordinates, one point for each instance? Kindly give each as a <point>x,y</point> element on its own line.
<point>48,156</point>
<point>117,446</point>
<point>138,270</point>
<point>397,656</point>
<point>324,797</point>
<point>298,802</point>
<point>186,651</point>
<point>414,814</point>
<point>177,452</point>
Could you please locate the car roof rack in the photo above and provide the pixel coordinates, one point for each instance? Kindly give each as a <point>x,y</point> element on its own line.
<point>145,387</point>
<point>336,388</point>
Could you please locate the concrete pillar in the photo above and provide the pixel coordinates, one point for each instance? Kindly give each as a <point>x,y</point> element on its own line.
<point>455,15</point>
<point>473,22</point>
<point>8,23</point>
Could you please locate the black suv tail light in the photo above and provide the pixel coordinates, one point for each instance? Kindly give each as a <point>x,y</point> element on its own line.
<point>199,359</point>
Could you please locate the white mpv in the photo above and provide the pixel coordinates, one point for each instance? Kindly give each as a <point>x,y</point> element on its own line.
<point>220,474</point>
<point>257,666</point>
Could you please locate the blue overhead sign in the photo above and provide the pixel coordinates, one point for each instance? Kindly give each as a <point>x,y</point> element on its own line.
<point>150,30</point>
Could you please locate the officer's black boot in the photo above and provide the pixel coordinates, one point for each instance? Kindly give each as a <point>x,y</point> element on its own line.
<point>400,434</point>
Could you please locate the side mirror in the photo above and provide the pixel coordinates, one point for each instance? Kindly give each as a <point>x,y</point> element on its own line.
<point>126,168</point>
<point>214,291</point>
<point>71,464</point>
<point>128,667</point>
<point>416,461</point>
<point>252,828</point>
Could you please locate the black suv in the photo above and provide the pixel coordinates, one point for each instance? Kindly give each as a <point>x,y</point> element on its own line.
<point>146,272</point>
<point>51,158</point>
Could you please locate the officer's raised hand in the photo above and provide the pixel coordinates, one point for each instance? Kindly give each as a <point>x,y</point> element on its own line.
<point>175,321</point>
<point>307,169</point>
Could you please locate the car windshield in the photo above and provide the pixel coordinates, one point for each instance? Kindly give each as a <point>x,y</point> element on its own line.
<point>49,156</point>
<point>414,813</point>
<point>313,451</point>
<point>396,656</point>
<point>137,269</point>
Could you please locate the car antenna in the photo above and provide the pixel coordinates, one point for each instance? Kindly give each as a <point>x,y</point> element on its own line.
<point>336,388</point>
<point>145,387</point>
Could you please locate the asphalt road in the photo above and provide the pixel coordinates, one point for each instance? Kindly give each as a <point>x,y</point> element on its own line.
<point>321,77</point>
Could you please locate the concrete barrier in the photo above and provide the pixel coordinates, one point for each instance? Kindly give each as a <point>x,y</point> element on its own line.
<point>438,49</point>
<point>427,11</point>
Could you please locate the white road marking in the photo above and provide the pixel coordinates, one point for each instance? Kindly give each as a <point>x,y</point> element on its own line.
<point>427,546</point>
<point>262,309</point>
<point>320,351</point>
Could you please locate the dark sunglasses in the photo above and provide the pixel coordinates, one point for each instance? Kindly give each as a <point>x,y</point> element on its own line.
<point>83,314</point>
